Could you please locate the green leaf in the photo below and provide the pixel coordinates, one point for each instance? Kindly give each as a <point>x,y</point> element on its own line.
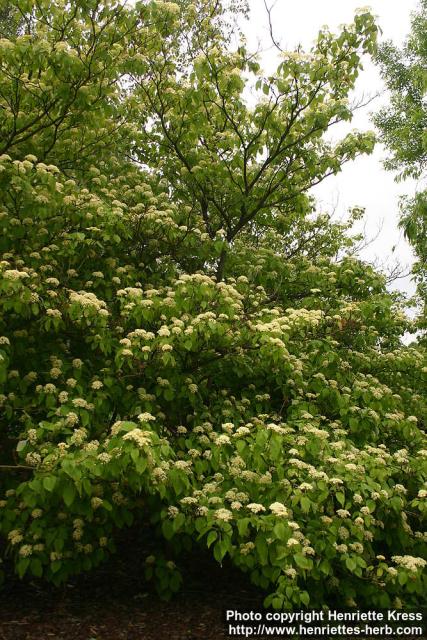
<point>242,526</point>
<point>302,561</point>
<point>87,486</point>
<point>262,549</point>
<point>168,529</point>
<point>340,498</point>
<point>279,531</point>
<point>305,504</point>
<point>21,445</point>
<point>212,536</point>
<point>351,564</point>
<point>69,494</point>
<point>325,567</point>
<point>402,578</point>
<point>178,521</point>
<point>36,567</point>
<point>49,483</point>
<point>22,566</point>
<point>220,549</point>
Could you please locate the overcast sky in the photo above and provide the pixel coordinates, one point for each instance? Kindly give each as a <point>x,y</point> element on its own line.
<point>363,182</point>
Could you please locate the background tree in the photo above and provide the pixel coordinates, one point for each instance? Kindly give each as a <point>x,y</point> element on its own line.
<point>403,125</point>
<point>9,20</point>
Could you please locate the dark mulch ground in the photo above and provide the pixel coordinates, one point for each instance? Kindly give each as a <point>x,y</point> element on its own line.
<point>115,604</point>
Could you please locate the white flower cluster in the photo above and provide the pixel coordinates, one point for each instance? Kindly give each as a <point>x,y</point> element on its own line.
<point>86,299</point>
<point>246,548</point>
<point>141,438</point>
<point>279,510</point>
<point>145,417</point>
<point>223,514</point>
<point>14,274</point>
<point>15,536</point>
<point>410,562</point>
<point>255,507</point>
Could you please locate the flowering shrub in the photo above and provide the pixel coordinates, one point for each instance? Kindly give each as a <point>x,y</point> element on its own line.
<point>175,355</point>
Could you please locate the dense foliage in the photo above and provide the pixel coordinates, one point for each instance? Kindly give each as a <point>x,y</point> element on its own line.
<point>186,345</point>
<point>403,125</point>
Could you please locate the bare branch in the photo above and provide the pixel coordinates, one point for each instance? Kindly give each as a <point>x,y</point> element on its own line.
<point>270,25</point>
